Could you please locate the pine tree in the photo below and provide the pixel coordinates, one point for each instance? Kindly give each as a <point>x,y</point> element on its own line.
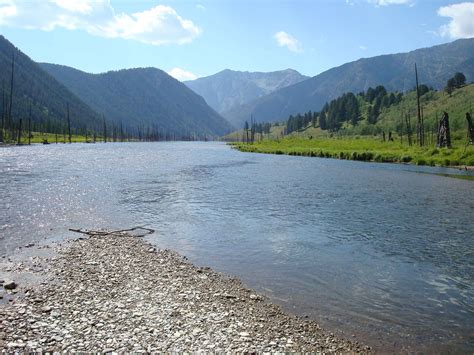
<point>322,120</point>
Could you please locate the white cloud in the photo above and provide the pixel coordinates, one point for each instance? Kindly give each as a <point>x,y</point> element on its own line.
<point>158,25</point>
<point>200,7</point>
<point>461,24</point>
<point>286,40</point>
<point>363,48</point>
<point>181,74</point>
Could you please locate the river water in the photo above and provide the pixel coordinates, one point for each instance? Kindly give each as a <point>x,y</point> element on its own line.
<point>380,252</point>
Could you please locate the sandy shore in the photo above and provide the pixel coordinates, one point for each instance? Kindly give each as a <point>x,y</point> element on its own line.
<point>119,294</point>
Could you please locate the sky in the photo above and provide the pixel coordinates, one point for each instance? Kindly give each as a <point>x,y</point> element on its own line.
<point>190,39</point>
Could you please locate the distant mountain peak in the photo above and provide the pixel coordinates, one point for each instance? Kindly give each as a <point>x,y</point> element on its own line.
<point>230,88</point>
<point>395,71</point>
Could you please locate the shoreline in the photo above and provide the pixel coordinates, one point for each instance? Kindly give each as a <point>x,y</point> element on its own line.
<point>365,156</point>
<point>120,293</point>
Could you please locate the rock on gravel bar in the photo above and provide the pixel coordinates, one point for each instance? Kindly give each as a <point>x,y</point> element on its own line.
<point>120,294</point>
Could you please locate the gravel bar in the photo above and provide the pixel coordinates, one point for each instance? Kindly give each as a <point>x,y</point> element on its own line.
<point>118,293</point>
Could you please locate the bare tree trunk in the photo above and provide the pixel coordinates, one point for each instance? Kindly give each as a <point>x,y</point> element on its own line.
<point>69,124</point>
<point>10,107</point>
<point>29,126</point>
<point>19,133</point>
<point>105,130</point>
<point>401,131</point>
<point>407,121</point>
<point>419,119</point>
<point>2,127</point>
<point>422,128</point>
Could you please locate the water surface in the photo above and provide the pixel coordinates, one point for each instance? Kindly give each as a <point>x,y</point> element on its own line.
<point>384,252</point>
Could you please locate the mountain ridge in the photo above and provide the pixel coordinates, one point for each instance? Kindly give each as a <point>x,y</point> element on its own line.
<point>145,97</point>
<point>395,71</point>
<point>47,96</point>
<point>228,88</point>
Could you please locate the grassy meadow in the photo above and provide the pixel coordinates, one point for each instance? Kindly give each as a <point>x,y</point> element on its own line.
<point>365,149</point>
<point>364,141</point>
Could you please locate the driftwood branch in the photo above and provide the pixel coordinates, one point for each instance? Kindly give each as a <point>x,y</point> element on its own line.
<point>117,233</point>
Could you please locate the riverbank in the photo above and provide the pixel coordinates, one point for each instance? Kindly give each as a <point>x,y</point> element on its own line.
<point>365,149</point>
<point>119,293</point>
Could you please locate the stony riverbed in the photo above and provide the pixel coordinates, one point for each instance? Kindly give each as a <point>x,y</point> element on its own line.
<point>118,294</point>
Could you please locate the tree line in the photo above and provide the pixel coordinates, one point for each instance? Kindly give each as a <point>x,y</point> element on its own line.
<point>21,118</point>
<point>348,108</point>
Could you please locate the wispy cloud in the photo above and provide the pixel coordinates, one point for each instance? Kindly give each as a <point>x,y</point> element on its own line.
<point>181,74</point>
<point>157,25</point>
<point>391,2</point>
<point>200,7</point>
<point>286,40</point>
<point>461,24</point>
<point>364,48</point>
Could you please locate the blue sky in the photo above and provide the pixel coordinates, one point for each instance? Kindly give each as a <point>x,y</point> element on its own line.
<point>199,38</point>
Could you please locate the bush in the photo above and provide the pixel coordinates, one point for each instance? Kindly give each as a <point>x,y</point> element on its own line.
<point>389,159</point>
<point>421,162</point>
<point>406,159</point>
<point>447,162</point>
<point>378,158</point>
<point>434,152</point>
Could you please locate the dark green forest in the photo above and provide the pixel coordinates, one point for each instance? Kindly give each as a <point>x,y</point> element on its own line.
<point>137,104</point>
<point>350,108</point>
<point>145,98</point>
<point>31,95</point>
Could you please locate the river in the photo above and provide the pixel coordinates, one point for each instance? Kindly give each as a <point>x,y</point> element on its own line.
<point>380,252</point>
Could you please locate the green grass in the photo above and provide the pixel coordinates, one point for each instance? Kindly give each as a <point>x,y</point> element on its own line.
<point>364,149</point>
<point>51,138</point>
<point>363,141</point>
<point>433,104</point>
<point>276,132</point>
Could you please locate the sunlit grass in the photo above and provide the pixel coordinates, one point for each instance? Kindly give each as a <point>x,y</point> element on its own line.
<point>365,149</point>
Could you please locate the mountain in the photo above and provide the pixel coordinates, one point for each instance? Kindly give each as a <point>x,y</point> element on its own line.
<point>47,96</point>
<point>144,97</point>
<point>228,89</point>
<point>396,72</point>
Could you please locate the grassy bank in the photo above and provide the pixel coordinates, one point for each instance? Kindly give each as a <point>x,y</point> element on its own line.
<point>53,138</point>
<point>365,149</point>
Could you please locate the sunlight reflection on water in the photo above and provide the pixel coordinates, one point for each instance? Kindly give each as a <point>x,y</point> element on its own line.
<point>373,249</point>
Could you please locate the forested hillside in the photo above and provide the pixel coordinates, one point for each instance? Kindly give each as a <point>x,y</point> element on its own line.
<point>395,72</point>
<point>48,99</point>
<point>375,112</point>
<point>146,99</point>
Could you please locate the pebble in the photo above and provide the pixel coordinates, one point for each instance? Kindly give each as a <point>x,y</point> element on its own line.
<point>119,294</point>
<point>9,285</point>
